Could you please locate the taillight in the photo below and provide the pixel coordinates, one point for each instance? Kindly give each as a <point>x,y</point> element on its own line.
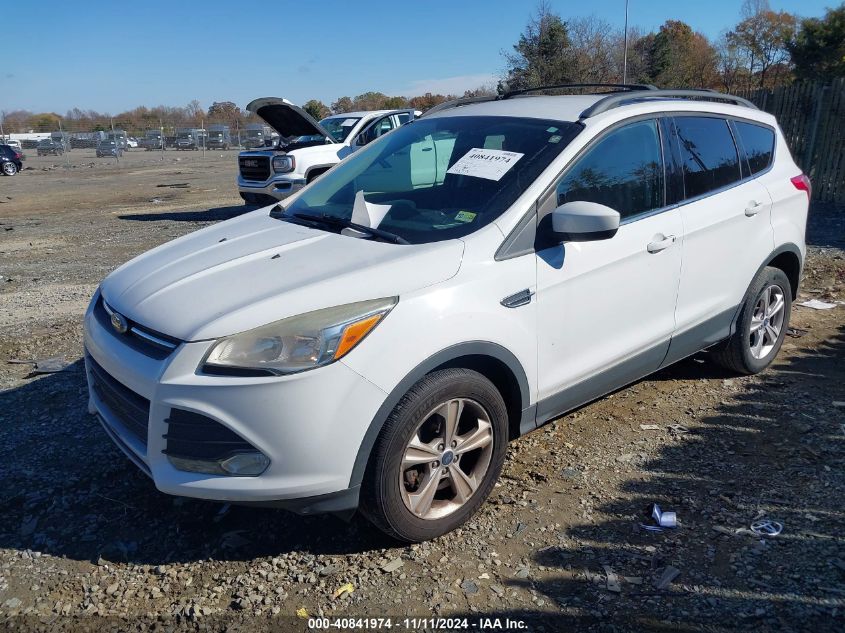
<point>802,183</point>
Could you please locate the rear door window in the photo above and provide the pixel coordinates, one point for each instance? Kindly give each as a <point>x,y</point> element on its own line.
<point>759,144</point>
<point>708,154</point>
<point>623,171</point>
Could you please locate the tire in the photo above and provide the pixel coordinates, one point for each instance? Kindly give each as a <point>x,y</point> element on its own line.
<point>9,169</point>
<point>761,325</point>
<point>390,486</point>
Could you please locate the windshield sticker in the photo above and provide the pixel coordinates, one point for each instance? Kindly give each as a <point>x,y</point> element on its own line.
<point>554,139</point>
<point>490,164</point>
<point>348,122</point>
<point>551,130</point>
<point>465,216</point>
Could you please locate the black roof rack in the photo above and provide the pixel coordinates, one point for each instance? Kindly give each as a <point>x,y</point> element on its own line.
<point>622,94</point>
<point>455,103</point>
<point>621,98</point>
<point>623,87</point>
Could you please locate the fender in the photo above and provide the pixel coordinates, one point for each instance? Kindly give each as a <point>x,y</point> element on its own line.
<point>788,247</point>
<point>470,348</point>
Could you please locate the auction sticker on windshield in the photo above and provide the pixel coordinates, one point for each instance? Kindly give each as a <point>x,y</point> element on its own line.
<point>491,164</point>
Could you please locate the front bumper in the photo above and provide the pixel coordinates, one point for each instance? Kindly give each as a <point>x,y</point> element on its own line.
<point>311,440</point>
<point>279,186</point>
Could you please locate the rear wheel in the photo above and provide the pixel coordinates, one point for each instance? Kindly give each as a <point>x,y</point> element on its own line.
<point>761,325</point>
<point>10,169</point>
<point>438,456</point>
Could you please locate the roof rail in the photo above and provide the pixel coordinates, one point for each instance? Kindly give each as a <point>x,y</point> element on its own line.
<point>624,87</point>
<point>455,103</point>
<point>621,98</point>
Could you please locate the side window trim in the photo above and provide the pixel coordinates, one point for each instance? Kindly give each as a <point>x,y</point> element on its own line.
<point>744,167</point>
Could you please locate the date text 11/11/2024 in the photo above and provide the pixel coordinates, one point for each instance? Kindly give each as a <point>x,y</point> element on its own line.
<point>415,624</point>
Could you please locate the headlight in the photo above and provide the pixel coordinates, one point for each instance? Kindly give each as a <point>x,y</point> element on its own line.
<point>282,164</point>
<point>301,342</point>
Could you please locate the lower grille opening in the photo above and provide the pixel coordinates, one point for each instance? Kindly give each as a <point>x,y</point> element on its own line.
<point>197,443</point>
<point>127,407</point>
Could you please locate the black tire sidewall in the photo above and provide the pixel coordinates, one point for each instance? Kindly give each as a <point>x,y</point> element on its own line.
<point>383,501</point>
<point>767,277</point>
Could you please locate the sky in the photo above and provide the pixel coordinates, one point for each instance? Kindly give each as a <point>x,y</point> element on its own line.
<point>111,56</point>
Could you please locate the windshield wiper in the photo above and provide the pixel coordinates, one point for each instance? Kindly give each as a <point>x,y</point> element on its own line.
<point>331,220</point>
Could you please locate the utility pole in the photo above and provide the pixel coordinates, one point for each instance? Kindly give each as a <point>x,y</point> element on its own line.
<point>64,149</point>
<point>161,139</point>
<point>116,141</point>
<point>625,56</point>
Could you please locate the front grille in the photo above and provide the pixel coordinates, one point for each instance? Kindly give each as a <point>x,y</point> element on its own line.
<point>194,436</point>
<point>127,407</point>
<point>254,167</point>
<point>144,340</point>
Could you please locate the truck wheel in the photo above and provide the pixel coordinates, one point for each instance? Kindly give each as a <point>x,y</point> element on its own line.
<point>761,325</point>
<point>437,457</point>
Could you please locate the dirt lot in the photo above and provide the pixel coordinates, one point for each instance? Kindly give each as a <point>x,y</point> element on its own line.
<point>87,542</point>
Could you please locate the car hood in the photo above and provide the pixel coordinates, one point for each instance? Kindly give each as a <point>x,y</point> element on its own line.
<point>255,269</point>
<point>286,118</point>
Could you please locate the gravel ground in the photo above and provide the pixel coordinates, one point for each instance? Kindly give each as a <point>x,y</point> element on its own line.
<point>87,542</point>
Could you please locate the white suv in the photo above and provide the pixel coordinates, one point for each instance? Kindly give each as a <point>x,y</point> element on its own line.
<point>306,148</point>
<point>378,338</point>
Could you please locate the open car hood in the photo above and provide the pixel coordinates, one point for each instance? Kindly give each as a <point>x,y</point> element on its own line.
<point>287,119</point>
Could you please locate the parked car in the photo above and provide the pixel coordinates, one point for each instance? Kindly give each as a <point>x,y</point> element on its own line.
<point>109,148</point>
<point>457,283</point>
<point>50,147</point>
<point>11,160</point>
<point>131,142</point>
<point>13,143</point>
<point>306,148</point>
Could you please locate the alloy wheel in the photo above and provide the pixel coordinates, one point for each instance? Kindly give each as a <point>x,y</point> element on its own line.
<point>446,459</point>
<point>10,169</point>
<point>767,321</point>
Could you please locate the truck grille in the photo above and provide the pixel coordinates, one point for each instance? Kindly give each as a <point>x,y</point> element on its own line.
<point>254,167</point>
<point>126,406</point>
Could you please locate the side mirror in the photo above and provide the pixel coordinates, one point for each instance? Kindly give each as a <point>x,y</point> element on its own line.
<point>582,221</point>
<point>361,139</point>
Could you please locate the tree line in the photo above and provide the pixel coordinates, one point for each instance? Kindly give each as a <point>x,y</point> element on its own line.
<point>765,49</point>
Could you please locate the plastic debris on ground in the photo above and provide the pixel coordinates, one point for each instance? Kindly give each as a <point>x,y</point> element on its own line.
<point>661,519</point>
<point>343,590</point>
<point>669,574</point>
<point>767,527</point>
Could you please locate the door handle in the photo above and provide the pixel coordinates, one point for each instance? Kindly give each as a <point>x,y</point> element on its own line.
<point>659,245</point>
<point>753,208</point>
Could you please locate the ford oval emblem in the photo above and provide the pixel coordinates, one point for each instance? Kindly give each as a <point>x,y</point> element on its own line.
<point>119,323</point>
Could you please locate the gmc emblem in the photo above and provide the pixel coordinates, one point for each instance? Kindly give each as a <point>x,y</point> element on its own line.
<point>250,163</point>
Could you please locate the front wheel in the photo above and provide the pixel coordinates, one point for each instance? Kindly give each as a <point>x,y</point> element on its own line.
<point>438,456</point>
<point>761,325</point>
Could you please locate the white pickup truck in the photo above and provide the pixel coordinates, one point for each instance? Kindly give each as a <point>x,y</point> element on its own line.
<point>306,148</point>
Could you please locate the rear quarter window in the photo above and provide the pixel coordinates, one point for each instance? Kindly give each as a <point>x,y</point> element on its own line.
<point>708,154</point>
<point>759,144</point>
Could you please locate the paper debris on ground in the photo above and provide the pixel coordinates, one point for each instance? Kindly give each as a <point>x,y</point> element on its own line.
<point>612,579</point>
<point>649,427</point>
<point>817,304</point>
<point>393,565</point>
<point>343,589</point>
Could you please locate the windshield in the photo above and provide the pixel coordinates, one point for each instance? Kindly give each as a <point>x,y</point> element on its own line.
<point>339,126</point>
<point>438,179</point>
